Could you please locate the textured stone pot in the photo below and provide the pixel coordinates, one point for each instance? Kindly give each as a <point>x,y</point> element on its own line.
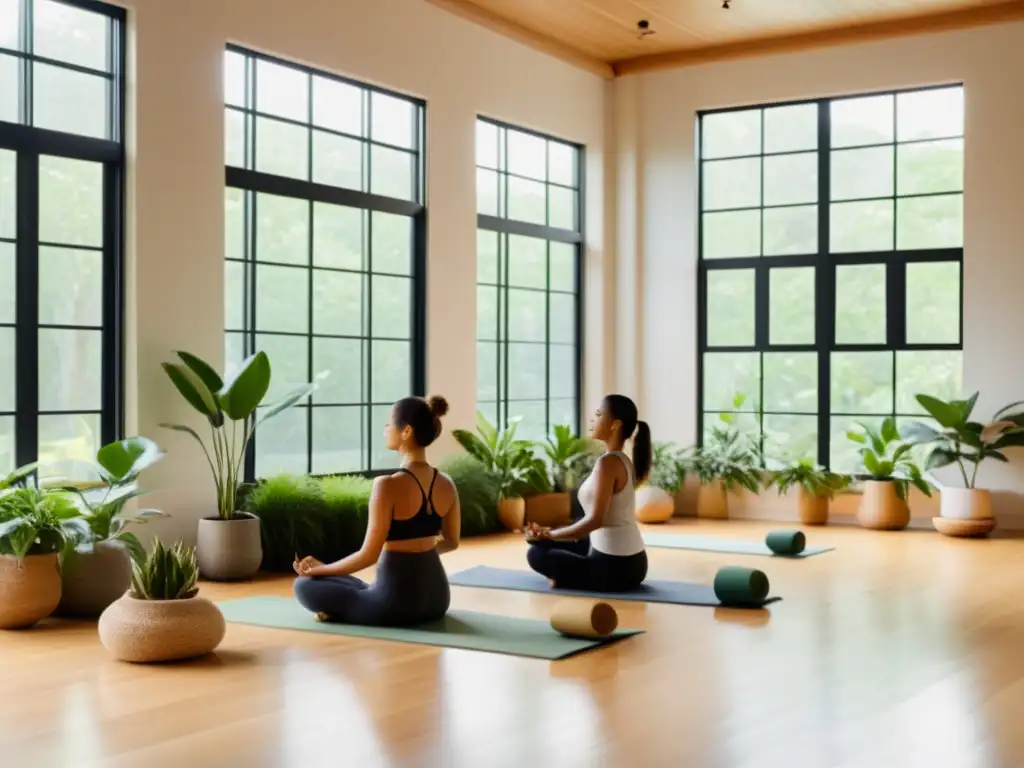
<point>965,504</point>
<point>713,501</point>
<point>161,630</point>
<point>229,549</point>
<point>29,589</point>
<point>881,508</point>
<point>549,509</point>
<point>512,513</point>
<point>653,505</point>
<point>93,580</point>
<point>813,508</point>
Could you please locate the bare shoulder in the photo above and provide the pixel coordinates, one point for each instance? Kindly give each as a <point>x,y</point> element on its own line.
<point>612,465</point>
<point>385,483</point>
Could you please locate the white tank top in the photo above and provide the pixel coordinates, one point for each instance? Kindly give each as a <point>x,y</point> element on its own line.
<point>619,534</point>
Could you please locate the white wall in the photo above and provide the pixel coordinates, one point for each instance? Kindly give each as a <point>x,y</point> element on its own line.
<point>176,183</point>
<point>660,109</point>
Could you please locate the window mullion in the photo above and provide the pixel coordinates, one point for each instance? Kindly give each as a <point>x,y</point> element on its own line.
<point>27,309</point>
<point>824,294</point>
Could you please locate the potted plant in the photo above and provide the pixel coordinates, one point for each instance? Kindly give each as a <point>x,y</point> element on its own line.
<point>513,462</point>
<point>890,471</point>
<point>725,464</point>
<point>960,441</point>
<point>570,460</point>
<point>228,542</point>
<point>655,497</point>
<point>34,526</point>
<point>815,488</point>
<point>162,618</point>
<point>96,569</point>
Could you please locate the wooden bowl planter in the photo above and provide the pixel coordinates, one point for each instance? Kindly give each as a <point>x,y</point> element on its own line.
<point>713,501</point>
<point>512,513</point>
<point>229,550</point>
<point>549,509</point>
<point>93,580</point>
<point>964,529</point>
<point>29,589</point>
<point>813,508</point>
<point>653,505</point>
<point>146,631</point>
<point>881,508</point>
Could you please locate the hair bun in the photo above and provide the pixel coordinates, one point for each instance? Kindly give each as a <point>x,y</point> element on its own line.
<point>438,405</point>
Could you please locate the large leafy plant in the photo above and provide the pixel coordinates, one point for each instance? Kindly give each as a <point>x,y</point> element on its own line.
<point>168,573</point>
<point>230,408</point>
<point>728,457</point>
<point>961,441</point>
<point>886,457</point>
<point>570,458</point>
<point>513,461</point>
<point>667,469</point>
<point>807,475</point>
<point>34,521</point>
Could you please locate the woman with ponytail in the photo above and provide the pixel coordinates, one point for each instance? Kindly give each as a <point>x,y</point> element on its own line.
<point>616,561</point>
<point>414,517</point>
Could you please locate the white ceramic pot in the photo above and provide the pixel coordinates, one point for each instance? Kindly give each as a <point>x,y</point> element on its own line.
<point>965,503</point>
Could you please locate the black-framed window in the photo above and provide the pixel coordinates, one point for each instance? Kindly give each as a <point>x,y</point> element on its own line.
<point>529,271</point>
<point>325,252</point>
<point>61,224</point>
<point>831,254</point>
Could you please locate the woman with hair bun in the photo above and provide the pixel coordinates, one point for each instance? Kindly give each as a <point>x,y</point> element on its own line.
<point>414,517</point>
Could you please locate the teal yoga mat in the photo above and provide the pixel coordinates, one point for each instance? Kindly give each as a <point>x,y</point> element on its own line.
<point>459,629</point>
<point>729,546</point>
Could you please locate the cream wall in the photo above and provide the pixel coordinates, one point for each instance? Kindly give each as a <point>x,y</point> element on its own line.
<point>176,183</point>
<point>657,235</point>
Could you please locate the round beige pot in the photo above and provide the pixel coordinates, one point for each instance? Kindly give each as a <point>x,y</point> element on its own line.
<point>813,508</point>
<point>653,505</point>
<point>512,513</point>
<point>29,589</point>
<point>549,509</point>
<point>93,580</point>
<point>965,504</point>
<point>881,508</point>
<point>712,501</point>
<point>161,630</point>
<point>229,549</point>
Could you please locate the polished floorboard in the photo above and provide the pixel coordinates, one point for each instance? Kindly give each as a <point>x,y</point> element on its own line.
<point>895,650</point>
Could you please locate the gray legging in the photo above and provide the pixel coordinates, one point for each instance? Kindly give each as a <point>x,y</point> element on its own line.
<point>411,588</point>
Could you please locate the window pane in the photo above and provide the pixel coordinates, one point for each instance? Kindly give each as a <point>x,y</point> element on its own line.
<point>930,222</point>
<point>730,134</point>
<point>8,204</point>
<point>746,423</point>
<point>68,445</point>
<point>791,306</point>
<point>486,144</point>
<point>791,179</point>
<point>933,166</point>
<point>8,289</point>
<point>731,184</point>
<point>391,304</point>
<point>791,438</point>
<point>487,313</point>
<point>730,307</point>
<point>933,303</point>
<point>234,353</point>
<point>391,173</point>
<point>864,226</point>
<point>860,121</point>
<point>862,173</point>
<point>862,382</point>
<point>338,440</point>
<point>526,200</point>
<point>527,371</point>
<point>70,201</point>
<point>791,382</point>
<point>337,236</point>
<point>234,223</point>
<point>392,243</point>
<point>282,229</point>
<point>391,374</point>
<point>282,299</point>
<point>860,304</point>
<point>527,315</point>
<point>234,296</point>
<point>234,138</point>
<point>10,24</point>
<point>289,363</point>
<point>727,374</point>
<point>792,128</point>
<point>342,359</point>
<point>561,207</point>
<point>731,234</point>
<point>380,456</point>
<point>562,266</point>
<point>234,79</point>
<point>562,374</point>
<point>527,262</point>
<point>790,231</point>
<point>565,411</point>
<point>282,91</point>
<point>930,114</point>
<point>486,256</point>
<point>563,318</point>
<point>282,149</point>
<point>486,192</point>
<point>337,106</point>
<point>534,419</point>
<point>527,155</point>
<point>7,455</point>
<point>70,363</point>
<point>9,85</point>
<point>69,101</point>
<point>8,369</point>
<point>70,34</point>
<point>281,443</point>
<point>937,373</point>
<point>337,161</point>
<point>70,287</point>
<point>338,303</point>
<point>562,163</point>
<point>486,371</point>
<point>393,120</point>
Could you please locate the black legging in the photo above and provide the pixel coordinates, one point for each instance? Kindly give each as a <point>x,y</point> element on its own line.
<point>570,568</point>
<point>411,588</point>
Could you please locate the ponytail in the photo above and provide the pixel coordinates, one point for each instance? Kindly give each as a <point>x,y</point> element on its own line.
<point>642,452</point>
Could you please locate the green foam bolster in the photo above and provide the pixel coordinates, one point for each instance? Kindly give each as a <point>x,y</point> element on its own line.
<point>740,586</point>
<point>786,542</point>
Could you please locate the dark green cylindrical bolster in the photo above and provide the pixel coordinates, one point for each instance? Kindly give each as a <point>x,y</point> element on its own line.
<point>786,542</point>
<point>740,586</point>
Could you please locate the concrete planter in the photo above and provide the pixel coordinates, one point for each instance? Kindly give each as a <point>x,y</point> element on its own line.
<point>228,550</point>
<point>29,589</point>
<point>161,630</point>
<point>93,580</point>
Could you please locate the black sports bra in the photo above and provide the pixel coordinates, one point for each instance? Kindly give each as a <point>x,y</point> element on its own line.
<point>424,523</point>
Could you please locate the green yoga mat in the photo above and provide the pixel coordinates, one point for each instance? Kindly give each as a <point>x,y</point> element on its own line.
<point>459,629</point>
<point>729,546</point>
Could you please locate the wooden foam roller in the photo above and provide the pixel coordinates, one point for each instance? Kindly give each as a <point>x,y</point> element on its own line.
<point>584,618</point>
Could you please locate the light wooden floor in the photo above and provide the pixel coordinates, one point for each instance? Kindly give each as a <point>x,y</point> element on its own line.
<point>896,650</point>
